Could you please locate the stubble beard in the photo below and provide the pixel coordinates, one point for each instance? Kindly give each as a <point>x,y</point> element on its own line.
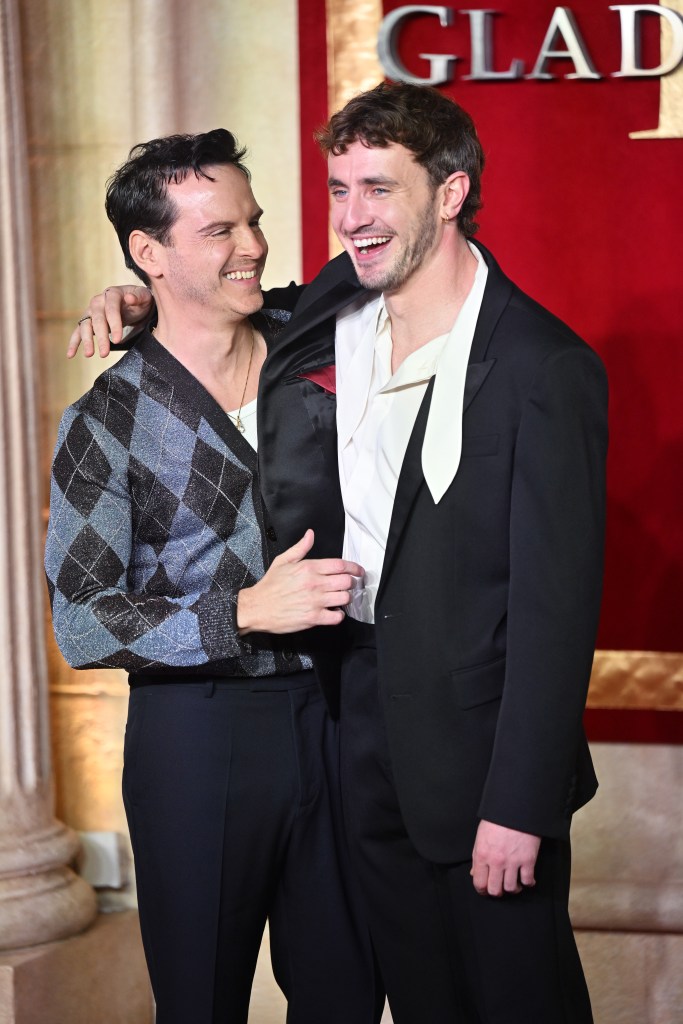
<point>204,293</point>
<point>390,279</point>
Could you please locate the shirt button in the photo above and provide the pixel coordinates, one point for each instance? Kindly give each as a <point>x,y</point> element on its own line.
<point>271,534</point>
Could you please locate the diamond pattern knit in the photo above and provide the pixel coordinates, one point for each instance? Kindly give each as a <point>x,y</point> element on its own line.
<point>156,522</point>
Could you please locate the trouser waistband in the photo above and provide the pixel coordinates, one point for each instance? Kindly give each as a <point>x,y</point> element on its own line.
<point>255,684</point>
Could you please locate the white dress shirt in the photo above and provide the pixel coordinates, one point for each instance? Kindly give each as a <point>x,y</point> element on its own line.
<point>376,413</point>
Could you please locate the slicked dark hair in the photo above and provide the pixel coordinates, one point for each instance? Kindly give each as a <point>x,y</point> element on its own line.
<point>137,194</point>
<point>438,132</point>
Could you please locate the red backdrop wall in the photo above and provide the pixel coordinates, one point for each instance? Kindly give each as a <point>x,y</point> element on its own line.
<point>589,222</point>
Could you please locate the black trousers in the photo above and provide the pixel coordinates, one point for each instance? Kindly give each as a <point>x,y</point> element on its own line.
<point>232,797</point>
<point>448,955</point>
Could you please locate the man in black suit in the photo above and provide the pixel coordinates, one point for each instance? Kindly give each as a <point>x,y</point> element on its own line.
<point>463,466</point>
<point>471,441</point>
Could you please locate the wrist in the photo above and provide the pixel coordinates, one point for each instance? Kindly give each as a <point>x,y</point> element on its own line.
<point>245,611</point>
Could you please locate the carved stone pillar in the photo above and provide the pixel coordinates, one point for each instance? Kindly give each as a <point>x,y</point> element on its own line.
<point>41,899</point>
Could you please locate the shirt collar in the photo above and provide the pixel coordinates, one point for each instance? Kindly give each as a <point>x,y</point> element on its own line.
<point>359,328</point>
<point>442,445</point>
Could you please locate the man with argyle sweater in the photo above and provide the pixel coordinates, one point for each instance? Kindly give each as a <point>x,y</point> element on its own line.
<point>160,560</point>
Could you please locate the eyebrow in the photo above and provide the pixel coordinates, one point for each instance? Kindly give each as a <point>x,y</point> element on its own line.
<point>208,228</point>
<point>378,179</point>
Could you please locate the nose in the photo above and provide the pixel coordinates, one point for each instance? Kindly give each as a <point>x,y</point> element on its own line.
<point>355,213</point>
<point>252,244</point>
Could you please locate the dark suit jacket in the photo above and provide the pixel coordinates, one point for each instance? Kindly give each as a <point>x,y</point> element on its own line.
<point>488,603</point>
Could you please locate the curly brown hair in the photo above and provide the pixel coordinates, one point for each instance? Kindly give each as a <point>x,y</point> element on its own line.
<point>437,131</point>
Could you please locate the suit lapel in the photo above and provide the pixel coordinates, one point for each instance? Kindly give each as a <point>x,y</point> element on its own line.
<point>410,480</point>
<point>411,477</point>
<point>296,418</point>
<point>307,341</point>
<point>476,375</point>
<point>497,295</point>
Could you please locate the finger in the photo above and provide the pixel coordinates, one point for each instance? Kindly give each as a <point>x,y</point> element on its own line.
<point>82,335</point>
<point>495,881</point>
<point>100,330</point>
<point>353,569</point>
<point>342,583</point>
<point>527,876</point>
<point>137,296</point>
<point>511,881</point>
<point>317,617</point>
<point>480,875</point>
<point>109,323</point>
<point>74,342</point>
<point>330,617</point>
<point>338,567</point>
<point>87,339</point>
<point>297,551</point>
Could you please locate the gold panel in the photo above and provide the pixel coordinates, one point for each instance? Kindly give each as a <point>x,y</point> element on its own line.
<point>670,90</point>
<point>352,62</point>
<point>637,680</point>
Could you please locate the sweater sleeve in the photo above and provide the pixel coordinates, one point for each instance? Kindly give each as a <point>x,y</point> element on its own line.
<point>98,619</point>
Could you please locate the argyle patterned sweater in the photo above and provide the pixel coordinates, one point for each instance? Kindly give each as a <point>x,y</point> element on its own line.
<point>156,522</point>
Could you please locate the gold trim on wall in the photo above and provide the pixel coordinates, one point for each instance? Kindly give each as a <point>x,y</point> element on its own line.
<point>352,62</point>
<point>637,680</point>
<point>670,124</point>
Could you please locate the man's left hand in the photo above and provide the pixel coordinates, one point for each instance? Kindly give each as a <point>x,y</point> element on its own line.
<point>503,859</point>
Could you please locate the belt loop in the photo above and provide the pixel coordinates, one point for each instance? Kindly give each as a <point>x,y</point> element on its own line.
<point>210,688</point>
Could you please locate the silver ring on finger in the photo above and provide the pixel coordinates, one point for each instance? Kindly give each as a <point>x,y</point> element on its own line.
<point>84,318</point>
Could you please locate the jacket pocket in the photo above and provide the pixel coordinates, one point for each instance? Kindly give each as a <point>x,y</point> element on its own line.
<point>479,685</point>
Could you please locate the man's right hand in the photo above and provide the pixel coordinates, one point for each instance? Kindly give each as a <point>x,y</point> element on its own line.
<point>297,593</point>
<point>107,314</point>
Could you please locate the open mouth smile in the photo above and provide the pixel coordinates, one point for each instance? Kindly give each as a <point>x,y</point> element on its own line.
<point>372,244</point>
<point>240,275</point>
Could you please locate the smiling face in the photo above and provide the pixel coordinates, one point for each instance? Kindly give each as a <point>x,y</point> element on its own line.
<point>216,253</point>
<point>385,212</point>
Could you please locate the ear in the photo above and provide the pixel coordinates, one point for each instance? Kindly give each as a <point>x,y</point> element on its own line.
<point>145,252</point>
<point>455,190</point>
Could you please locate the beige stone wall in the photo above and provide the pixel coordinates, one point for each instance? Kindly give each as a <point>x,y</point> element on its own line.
<point>627,885</point>
<point>41,898</point>
<point>97,79</point>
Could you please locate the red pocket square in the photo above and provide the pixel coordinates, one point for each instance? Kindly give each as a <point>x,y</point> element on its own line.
<point>325,377</point>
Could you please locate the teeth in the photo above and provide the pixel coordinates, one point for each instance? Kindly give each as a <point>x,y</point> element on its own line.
<point>363,243</point>
<point>241,275</point>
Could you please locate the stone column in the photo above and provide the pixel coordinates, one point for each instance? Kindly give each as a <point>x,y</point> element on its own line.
<point>41,899</point>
